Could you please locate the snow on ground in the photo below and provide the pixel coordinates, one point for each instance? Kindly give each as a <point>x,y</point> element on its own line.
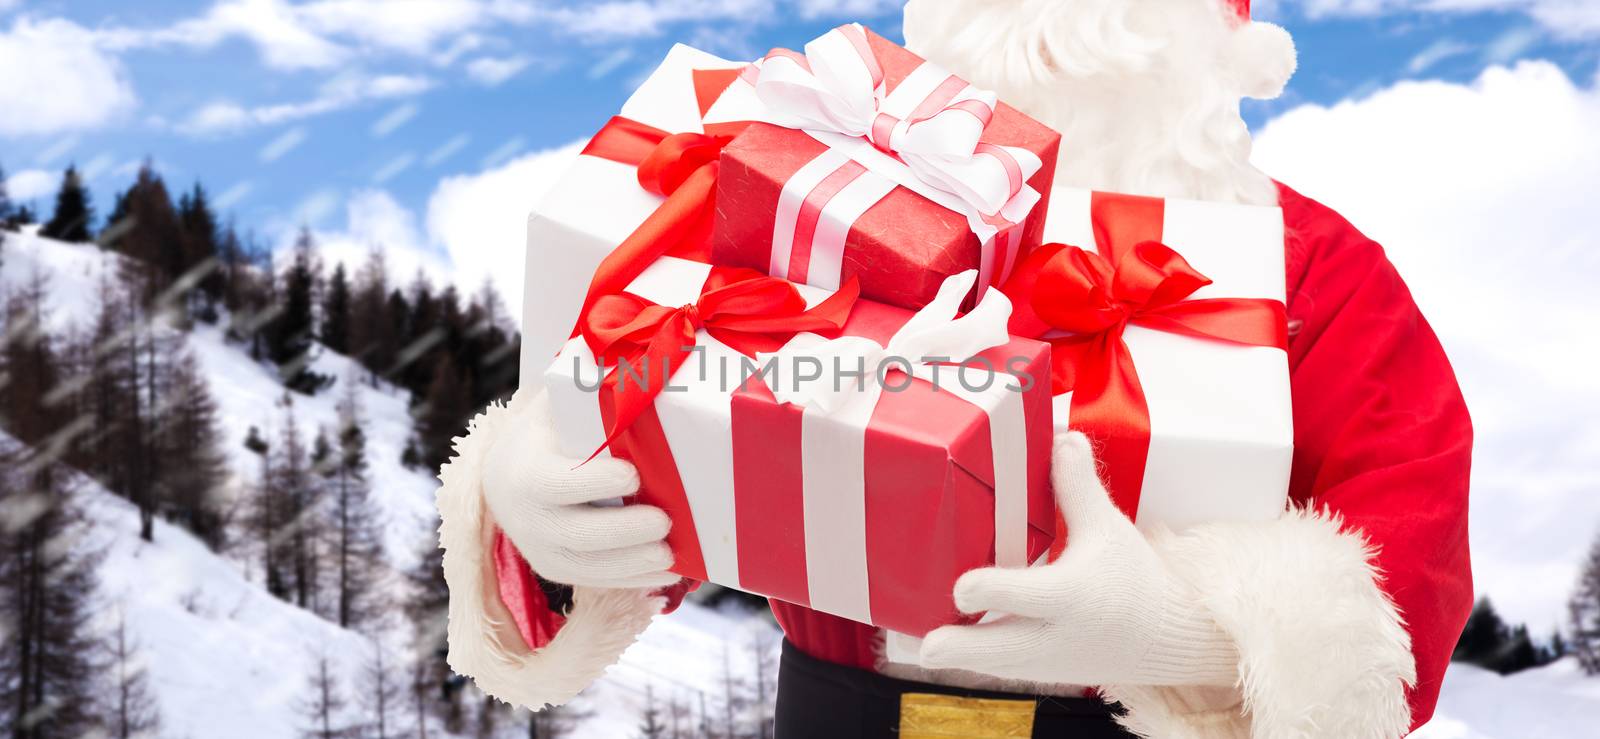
<point>219,651</point>
<point>72,274</point>
<point>248,394</point>
<point>1553,702</point>
<point>680,657</point>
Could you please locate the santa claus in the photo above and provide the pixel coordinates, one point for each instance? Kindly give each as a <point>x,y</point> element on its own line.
<point>1335,620</point>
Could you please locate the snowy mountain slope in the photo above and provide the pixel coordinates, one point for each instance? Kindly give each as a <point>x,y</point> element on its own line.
<point>72,273</point>
<point>219,651</point>
<point>247,392</point>
<point>226,658</point>
<point>1553,702</point>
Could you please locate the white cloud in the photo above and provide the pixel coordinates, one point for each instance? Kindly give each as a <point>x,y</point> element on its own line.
<point>375,220</point>
<point>481,219</point>
<point>341,92</point>
<point>53,79</point>
<point>625,18</point>
<point>847,8</point>
<point>323,34</point>
<point>492,71</point>
<point>1567,18</point>
<point>475,230</point>
<point>1508,46</point>
<point>1483,194</point>
<point>276,28</point>
<point>1436,52</point>
<point>31,184</point>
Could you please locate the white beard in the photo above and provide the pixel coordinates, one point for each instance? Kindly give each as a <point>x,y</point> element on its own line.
<point>1145,93</point>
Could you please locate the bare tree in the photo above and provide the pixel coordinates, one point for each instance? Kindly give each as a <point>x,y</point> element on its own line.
<point>357,546</point>
<point>650,726</point>
<point>1585,611</point>
<point>134,713</point>
<point>764,705</point>
<point>381,695</point>
<point>324,705</point>
<point>49,676</point>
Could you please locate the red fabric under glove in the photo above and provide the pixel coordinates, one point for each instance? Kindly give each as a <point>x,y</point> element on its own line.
<point>1382,439</point>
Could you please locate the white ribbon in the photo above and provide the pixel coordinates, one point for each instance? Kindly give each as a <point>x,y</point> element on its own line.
<point>854,368</point>
<point>932,122</point>
<point>837,414</point>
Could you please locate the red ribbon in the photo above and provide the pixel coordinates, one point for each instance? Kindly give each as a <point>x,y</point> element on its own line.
<point>1140,282</point>
<point>742,308</point>
<point>681,167</point>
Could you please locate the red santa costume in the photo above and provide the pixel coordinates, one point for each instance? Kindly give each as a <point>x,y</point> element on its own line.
<point>1340,616</point>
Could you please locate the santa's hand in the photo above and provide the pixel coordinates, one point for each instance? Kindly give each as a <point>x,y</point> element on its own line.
<point>541,499</point>
<point>1107,612</point>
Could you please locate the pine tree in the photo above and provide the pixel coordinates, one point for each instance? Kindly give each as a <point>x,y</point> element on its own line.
<point>554,722</point>
<point>420,692</point>
<point>22,216</point>
<point>74,213</point>
<point>201,244</point>
<point>381,695</point>
<point>1584,610</point>
<point>650,726</point>
<point>286,519</point>
<point>133,713</point>
<point>445,412</point>
<point>1484,636</point>
<point>152,236</point>
<point>32,367</point>
<point>7,210</point>
<point>196,468</point>
<point>289,333</point>
<point>336,313</point>
<point>301,493</point>
<point>356,527</point>
<point>1518,653</point>
<point>436,689</point>
<point>372,338</point>
<point>420,341</point>
<point>49,671</point>
<point>324,705</point>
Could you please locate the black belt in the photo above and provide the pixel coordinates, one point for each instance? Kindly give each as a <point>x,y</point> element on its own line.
<point>825,700</point>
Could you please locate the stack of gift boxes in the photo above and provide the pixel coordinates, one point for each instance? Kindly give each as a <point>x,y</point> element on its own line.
<point>834,307</point>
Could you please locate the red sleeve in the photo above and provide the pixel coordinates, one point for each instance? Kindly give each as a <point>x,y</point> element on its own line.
<point>1382,436</point>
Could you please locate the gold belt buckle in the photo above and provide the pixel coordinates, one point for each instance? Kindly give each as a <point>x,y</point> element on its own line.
<point>932,716</point>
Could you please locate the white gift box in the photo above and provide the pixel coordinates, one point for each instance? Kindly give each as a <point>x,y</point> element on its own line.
<point>1221,424</point>
<point>594,206</point>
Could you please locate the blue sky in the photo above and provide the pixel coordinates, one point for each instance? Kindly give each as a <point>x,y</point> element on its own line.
<point>287,110</point>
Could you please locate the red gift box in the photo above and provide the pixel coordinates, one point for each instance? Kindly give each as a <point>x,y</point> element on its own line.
<point>870,512</point>
<point>903,245</point>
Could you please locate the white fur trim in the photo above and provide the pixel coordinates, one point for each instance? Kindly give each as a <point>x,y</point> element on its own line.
<point>1263,59</point>
<point>1323,651</point>
<point>484,642</point>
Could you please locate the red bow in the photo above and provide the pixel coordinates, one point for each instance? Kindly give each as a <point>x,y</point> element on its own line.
<point>744,309</point>
<point>1061,288</point>
<point>682,168</point>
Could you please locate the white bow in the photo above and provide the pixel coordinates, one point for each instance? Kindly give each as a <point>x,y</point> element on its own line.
<point>933,126</point>
<point>853,368</point>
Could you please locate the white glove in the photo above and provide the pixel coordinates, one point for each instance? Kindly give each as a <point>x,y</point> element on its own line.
<point>1107,612</point>
<point>541,500</point>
